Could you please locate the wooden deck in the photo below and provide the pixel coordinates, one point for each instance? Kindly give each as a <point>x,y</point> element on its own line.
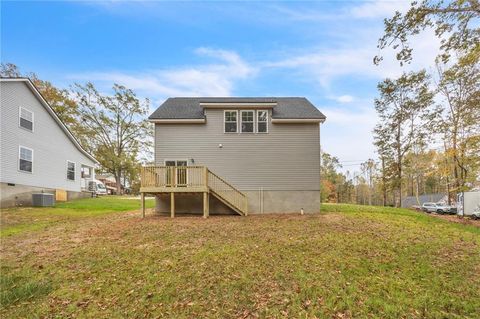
<point>190,179</point>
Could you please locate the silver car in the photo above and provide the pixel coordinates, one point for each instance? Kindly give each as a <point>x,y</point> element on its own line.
<point>438,208</point>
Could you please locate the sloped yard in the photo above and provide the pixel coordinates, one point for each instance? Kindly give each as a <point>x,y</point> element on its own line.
<point>350,261</point>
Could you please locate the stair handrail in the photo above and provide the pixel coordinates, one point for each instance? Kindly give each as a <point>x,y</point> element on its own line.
<point>240,203</point>
<point>224,181</point>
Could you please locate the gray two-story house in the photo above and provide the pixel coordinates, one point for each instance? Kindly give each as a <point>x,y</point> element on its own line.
<point>37,151</point>
<point>246,155</point>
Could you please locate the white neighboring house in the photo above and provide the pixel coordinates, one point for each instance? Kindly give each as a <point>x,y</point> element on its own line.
<point>37,151</point>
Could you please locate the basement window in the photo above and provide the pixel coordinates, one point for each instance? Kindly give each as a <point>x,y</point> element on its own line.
<point>230,118</point>
<point>26,119</point>
<point>25,159</point>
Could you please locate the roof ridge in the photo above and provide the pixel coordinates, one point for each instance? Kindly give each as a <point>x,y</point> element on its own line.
<point>287,107</point>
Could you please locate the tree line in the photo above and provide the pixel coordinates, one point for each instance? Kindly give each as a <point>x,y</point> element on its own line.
<point>428,135</point>
<point>111,127</point>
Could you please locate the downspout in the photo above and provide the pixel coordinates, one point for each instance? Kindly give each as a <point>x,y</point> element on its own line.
<point>261,203</point>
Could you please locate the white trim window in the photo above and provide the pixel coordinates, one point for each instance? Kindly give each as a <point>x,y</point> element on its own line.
<point>25,159</point>
<point>230,121</point>
<point>70,171</point>
<point>262,121</point>
<point>248,121</point>
<point>25,119</point>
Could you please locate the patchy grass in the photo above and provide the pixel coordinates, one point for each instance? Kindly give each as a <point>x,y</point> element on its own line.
<point>17,289</point>
<point>19,220</point>
<point>350,262</point>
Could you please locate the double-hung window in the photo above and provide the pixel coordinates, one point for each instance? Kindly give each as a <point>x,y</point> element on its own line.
<point>25,159</point>
<point>26,119</point>
<point>262,121</point>
<point>70,171</point>
<point>248,121</point>
<point>231,121</point>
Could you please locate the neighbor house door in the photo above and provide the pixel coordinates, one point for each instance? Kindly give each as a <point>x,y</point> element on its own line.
<point>179,173</point>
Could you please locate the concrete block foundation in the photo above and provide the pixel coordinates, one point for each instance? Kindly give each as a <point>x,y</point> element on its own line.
<point>259,202</point>
<point>13,195</point>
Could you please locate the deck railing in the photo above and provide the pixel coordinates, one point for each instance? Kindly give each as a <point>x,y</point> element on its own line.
<point>173,176</point>
<point>192,177</point>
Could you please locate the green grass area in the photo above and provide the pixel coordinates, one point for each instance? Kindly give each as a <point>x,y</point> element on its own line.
<point>392,213</point>
<point>349,262</point>
<point>19,220</point>
<point>18,289</point>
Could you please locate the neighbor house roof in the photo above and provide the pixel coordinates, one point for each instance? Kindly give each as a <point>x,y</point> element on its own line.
<point>179,108</point>
<point>49,109</point>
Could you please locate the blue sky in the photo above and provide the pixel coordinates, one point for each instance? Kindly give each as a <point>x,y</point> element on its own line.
<point>321,50</point>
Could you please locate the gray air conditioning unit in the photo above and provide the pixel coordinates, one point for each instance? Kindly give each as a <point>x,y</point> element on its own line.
<point>43,200</point>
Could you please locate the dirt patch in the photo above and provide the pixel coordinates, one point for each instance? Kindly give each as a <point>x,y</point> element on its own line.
<point>460,220</point>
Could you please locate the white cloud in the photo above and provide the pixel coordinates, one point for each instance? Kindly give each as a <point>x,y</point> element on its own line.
<point>378,9</point>
<point>213,79</point>
<point>344,98</point>
<point>347,133</point>
<point>356,59</point>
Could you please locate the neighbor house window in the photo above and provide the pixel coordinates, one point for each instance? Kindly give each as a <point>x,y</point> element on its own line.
<point>86,172</point>
<point>25,159</point>
<point>231,121</point>
<point>262,121</point>
<point>248,121</point>
<point>26,119</point>
<point>70,171</point>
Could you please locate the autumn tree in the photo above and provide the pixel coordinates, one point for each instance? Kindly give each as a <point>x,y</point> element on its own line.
<point>455,23</point>
<point>368,169</point>
<point>458,88</point>
<point>404,111</point>
<point>116,124</point>
<point>329,177</point>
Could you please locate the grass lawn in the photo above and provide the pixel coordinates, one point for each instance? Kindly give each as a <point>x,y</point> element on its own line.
<point>348,262</point>
<point>18,220</point>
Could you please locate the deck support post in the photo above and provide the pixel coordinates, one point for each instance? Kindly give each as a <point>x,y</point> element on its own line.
<point>206,205</point>
<point>143,205</point>
<point>172,204</point>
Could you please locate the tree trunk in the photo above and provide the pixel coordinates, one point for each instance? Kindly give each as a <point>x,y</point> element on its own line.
<point>118,180</point>
<point>384,182</point>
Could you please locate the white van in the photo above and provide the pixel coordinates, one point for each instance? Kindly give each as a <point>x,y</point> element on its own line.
<point>97,187</point>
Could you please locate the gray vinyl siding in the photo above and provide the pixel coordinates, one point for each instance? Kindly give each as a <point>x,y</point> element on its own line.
<point>287,158</point>
<point>51,146</point>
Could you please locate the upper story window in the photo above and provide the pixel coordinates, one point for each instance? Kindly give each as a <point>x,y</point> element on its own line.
<point>262,121</point>
<point>245,121</point>
<point>70,171</point>
<point>230,121</point>
<point>26,119</point>
<point>248,121</point>
<point>25,159</point>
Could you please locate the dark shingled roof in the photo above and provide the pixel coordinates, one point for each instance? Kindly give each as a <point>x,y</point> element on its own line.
<point>189,107</point>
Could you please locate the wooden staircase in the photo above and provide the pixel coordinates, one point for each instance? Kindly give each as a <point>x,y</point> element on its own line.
<point>227,194</point>
<point>191,179</point>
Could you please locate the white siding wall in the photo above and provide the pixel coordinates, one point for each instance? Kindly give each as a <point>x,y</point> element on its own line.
<point>51,147</point>
<point>287,158</point>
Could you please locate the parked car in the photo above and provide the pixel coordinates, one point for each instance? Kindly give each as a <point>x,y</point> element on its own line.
<point>438,208</point>
<point>97,187</point>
